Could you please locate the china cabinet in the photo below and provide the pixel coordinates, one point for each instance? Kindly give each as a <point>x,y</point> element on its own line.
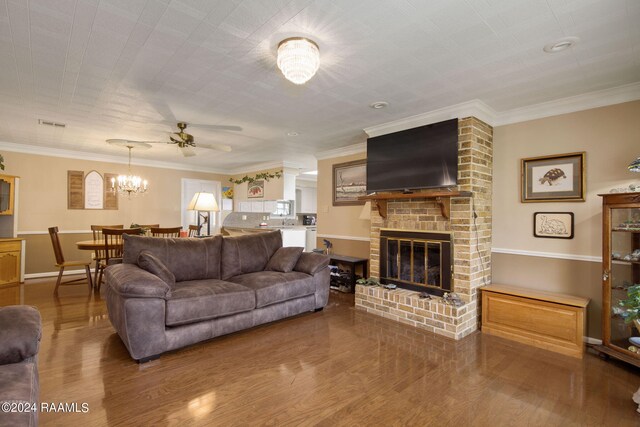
<point>620,270</point>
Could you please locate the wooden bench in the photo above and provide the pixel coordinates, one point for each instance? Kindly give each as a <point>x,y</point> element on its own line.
<point>547,320</point>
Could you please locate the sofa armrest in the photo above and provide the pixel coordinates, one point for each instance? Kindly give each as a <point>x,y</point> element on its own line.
<point>129,280</point>
<point>20,333</point>
<point>311,263</point>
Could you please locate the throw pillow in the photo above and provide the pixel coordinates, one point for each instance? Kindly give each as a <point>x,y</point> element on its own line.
<point>284,259</point>
<point>151,263</point>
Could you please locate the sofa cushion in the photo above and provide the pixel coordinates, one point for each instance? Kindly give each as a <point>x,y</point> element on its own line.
<point>311,263</point>
<point>20,333</point>
<point>19,383</point>
<point>186,258</point>
<point>151,263</point>
<point>272,286</point>
<point>197,300</point>
<point>248,254</point>
<point>284,259</point>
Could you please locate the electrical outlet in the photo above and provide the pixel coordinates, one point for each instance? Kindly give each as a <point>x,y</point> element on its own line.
<point>244,217</point>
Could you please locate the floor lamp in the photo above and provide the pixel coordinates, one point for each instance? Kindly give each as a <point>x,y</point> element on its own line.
<point>204,202</point>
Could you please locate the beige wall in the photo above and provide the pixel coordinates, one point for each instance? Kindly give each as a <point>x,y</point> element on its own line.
<point>43,202</point>
<point>610,137</point>
<point>340,220</point>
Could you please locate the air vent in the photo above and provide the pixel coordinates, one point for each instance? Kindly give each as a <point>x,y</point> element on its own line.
<point>50,123</point>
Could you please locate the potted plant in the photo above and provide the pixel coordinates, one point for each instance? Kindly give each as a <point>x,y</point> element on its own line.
<point>631,306</point>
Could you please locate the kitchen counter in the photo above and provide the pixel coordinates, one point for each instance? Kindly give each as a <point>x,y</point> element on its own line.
<point>292,235</point>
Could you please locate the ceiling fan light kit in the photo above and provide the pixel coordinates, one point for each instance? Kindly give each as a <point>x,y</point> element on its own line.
<point>298,59</point>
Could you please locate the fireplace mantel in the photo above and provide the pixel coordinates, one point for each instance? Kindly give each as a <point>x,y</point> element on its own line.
<point>442,198</point>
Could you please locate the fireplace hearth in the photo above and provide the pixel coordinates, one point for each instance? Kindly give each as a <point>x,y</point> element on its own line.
<point>416,260</point>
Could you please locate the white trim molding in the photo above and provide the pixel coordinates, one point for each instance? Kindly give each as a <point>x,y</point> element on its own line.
<point>556,255</point>
<point>335,236</point>
<point>594,341</point>
<point>55,273</point>
<point>586,101</point>
<point>38,150</point>
<point>475,108</point>
<point>349,150</point>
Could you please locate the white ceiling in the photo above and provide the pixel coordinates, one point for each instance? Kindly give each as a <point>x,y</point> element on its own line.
<point>120,68</point>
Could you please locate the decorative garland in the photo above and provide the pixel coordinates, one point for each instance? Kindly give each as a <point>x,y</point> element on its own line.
<point>266,176</point>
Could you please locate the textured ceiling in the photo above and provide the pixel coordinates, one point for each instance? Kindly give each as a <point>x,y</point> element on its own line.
<point>130,69</point>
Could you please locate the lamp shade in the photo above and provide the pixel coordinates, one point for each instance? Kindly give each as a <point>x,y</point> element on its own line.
<point>203,202</point>
<point>635,165</point>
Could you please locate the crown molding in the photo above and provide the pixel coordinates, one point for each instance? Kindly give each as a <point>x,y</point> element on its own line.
<point>572,104</point>
<point>474,108</point>
<point>358,148</point>
<point>80,155</point>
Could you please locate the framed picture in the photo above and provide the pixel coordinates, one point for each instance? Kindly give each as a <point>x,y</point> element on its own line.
<point>554,225</point>
<point>255,189</point>
<point>349,183</point>
<point>559,178</point>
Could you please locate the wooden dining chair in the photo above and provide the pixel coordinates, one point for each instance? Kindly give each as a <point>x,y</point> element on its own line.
<point>113,247</point>
<point>166,231</point>
<point>148,226</point>
<point>61,263</point>
<point>99,253</point>
<point>194,231</point>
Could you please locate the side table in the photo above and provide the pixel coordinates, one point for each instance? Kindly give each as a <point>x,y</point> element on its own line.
<point>352,263</point>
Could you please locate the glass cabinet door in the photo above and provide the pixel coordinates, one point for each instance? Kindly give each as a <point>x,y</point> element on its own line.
<point>624,272</point>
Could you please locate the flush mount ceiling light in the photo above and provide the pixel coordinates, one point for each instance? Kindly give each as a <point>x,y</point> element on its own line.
<point>298,59</point>
<point>378,105</point>
<point>561,44</point>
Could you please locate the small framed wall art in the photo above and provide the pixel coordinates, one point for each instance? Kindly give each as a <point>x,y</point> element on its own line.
<point>553,225</point>
<point>557,178</point>
<point>255,189</point>
<point>349,183</point>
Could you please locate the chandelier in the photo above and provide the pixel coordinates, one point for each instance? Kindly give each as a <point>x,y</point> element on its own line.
<point>298,59</point>
<point>129,184</point>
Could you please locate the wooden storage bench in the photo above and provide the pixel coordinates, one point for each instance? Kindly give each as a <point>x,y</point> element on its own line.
<point>547,320</point>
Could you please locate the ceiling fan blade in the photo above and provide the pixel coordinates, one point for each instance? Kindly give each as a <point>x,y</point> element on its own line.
<point>217,127</point>
<point>220,147</point>
<point>129,143</point>
<point>188,151</point>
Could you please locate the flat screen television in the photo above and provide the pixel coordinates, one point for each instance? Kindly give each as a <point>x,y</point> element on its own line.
<point>422,157</point>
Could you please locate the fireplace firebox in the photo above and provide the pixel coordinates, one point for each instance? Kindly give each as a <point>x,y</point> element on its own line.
<point>416,260</point>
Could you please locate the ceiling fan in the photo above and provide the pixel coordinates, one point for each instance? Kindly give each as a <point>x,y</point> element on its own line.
<point>183,140</point>
<point>186,142</point>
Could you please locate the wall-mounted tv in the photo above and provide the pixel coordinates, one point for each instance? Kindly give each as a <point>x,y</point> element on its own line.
<point>422,157</point>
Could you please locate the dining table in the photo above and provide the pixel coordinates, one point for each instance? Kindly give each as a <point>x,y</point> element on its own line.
<point>95,246</point>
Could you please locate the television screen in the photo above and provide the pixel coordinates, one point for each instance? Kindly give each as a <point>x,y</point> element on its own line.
<point>423,157</point>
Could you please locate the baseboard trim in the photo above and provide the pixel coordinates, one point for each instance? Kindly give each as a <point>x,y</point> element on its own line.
<point>573,257</point>
<point>336,236</point>
<point>55,274</point>
<point>594,341</point>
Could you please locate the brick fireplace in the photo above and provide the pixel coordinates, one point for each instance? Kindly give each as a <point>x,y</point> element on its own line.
<point>470,240</point>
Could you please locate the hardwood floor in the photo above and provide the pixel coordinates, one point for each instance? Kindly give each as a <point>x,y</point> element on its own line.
<point>340,366</point>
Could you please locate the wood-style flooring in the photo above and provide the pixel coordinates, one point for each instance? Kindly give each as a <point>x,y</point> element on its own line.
<point>340,366</point>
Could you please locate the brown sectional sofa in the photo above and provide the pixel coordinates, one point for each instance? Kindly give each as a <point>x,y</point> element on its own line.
<point>170,293</point>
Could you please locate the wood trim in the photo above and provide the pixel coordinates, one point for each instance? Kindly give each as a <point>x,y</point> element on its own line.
<point>442,198</point>
<point>537,294</point>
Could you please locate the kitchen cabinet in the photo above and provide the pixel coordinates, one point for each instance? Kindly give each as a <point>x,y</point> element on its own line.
<point>7,194</point>
<point>294,237</point>
<point>10,266</point>
<point>620,271</point>
<point>242,206</point>
<point>257,206</point>
<point>270,206</point>
<point>307,200</point>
